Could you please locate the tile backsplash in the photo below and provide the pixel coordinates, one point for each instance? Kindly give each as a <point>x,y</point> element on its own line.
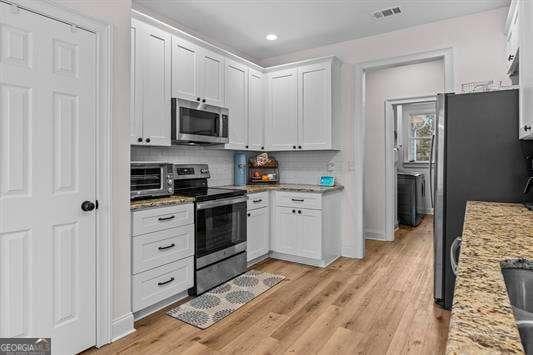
<point>295,167</point>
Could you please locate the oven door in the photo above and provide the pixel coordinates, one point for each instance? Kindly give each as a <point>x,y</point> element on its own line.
<point>220,229</point>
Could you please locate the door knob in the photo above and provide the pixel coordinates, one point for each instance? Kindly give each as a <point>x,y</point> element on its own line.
<point>88,206</point>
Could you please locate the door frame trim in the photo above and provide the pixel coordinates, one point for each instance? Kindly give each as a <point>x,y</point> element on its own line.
<point>104,89</point>
<point>359,119</point>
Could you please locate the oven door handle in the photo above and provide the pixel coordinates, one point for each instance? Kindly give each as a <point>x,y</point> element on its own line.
<point>221,202</point>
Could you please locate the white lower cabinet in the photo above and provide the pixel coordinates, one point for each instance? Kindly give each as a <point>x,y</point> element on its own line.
<point>258,226</point>
<point>162,255</point>
<point>306,235</point>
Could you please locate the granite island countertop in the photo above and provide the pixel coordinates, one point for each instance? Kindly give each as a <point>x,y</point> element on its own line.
<point>288,187</point>
<point>482,320</point>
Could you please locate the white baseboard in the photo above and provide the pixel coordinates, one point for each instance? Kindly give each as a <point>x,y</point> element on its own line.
<point>375,235</point>
<point>257,260</point>
<point>350,251</point>
<point>122,326</point>
<point>303,260</point>
<point>159,305</point>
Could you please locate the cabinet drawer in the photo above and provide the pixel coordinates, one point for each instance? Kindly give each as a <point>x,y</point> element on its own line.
<point>299,200</point>
<point>257,200</point>
<point>163,247</point>
<point>155,285</point>
<point>157,219</point>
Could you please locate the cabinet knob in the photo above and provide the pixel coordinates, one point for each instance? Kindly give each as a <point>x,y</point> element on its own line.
<point>293,147</point>
<point>248,214</point>
<point>140,139</point>
<point>148,140</point>
<point>197,99</point>
<point>527,128</point>
<point>246,147</point>
<point>262,148</point>
<point>299,212</point>
<point>293,211</point>
<point>299,147</point>
<point>203,100</point>
<point>510,58</point>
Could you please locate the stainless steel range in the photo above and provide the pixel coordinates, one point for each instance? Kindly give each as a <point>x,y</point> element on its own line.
<point>220,227</point>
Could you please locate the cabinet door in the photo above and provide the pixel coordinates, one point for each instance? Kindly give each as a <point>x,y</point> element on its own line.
<point>211,77</point>
<point>285,235</point>
<point>309,233</point>
<point>314,107</point>
<point>282,127</point>
<point>256,110</point>
<point>237,103</point>
<point>156,86</point>
<point>185,59</point>
<point>136,87</point>
<point>258,233</point>
<point>526,69</point>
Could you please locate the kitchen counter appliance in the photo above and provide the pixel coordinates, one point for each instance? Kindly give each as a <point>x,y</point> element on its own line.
<point>151,179</point>
<point>220,227</point>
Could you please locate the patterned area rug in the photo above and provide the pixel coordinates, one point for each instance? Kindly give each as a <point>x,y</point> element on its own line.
<point>207,309</point>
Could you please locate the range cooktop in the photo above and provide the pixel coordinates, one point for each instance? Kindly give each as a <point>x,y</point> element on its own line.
<point>210,193</point>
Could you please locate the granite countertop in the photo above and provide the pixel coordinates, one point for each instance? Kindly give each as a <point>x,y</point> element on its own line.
<point>159,202</point>
<point>288,187</point>
<point>482,319</point>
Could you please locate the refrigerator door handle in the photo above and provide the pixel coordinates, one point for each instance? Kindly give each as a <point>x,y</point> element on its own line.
<point>453,249</point>
<point>431,192</point>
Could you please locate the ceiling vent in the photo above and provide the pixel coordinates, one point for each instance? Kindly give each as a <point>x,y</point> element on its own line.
<point>387,12</point>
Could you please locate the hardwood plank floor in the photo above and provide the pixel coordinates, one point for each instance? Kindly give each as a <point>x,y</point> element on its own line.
<point>382,304</point>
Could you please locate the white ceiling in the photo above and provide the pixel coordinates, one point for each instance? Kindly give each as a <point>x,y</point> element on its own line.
<point>243,25</point>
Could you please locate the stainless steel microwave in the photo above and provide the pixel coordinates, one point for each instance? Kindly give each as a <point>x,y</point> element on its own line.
<point>197,123</point>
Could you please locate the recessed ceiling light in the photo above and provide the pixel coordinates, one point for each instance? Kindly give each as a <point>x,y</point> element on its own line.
<point>271,37</point>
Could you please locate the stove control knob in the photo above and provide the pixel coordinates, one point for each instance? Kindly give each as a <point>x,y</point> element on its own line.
<point>170,181</point>
<point>204,171</point>
<point>170,189</point>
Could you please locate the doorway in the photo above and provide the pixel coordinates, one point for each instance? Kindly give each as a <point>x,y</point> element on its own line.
<point>54,168</point>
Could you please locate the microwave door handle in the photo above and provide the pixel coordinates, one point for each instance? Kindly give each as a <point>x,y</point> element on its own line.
<point>220,125</point>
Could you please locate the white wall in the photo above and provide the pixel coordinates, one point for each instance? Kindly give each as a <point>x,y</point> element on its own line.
<point>478,54</point>
<point>117,13</point>
<point>421,79</point>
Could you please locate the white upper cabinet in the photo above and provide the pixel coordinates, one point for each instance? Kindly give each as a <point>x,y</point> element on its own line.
<point>314,107</point>
<point>185,58</point>
<point>525,14</point>
<point>197,73</point>
<point>282,111</point>
<point>256,110</point>
<point>237,103</point>
<point>150,116</point>
<point>211,77</point>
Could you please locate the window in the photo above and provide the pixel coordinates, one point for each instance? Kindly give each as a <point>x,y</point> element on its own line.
<point>419,139</point>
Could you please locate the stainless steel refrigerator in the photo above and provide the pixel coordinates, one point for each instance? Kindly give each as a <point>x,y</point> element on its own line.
<point>476,155</point>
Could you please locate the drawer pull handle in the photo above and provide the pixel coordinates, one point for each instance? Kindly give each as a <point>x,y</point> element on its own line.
<point>297,200</point>
<point>167,247</point>
<point>257,201</point>
<point>165,282</point>
<point>166,218</point>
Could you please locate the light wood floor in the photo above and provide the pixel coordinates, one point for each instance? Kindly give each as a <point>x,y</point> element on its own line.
<point>382,304</point>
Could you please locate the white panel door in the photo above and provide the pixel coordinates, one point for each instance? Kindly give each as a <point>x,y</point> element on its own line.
<point>237,103</point>
<point>211,78</point>
<point>47,169</point>
<point>136,128</point>
<point>258,233</point>
<point>314,107</point>
<point>185,59</point>
<point>256,110</point>
<point>155,69</point>
<point>285,231</point>
<point>282,126</point>
<point>309,233</point>
<point>525,129</point>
